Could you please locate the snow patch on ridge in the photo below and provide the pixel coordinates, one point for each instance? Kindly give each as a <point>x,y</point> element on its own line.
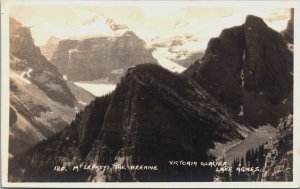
<point>166,63</point>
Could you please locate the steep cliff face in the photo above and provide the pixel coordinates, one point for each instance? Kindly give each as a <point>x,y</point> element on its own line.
<point>266,54</point>
<point>41,103</point>
<point>27,57</point>
<point>151,107</point>
<point>249,68</point>
<point>220,67</point>
<point>101,57</point>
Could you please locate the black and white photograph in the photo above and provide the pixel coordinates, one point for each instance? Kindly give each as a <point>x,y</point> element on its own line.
<point>149,93</point>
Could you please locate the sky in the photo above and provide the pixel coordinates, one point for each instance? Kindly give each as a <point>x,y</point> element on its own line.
<point>154,24</point>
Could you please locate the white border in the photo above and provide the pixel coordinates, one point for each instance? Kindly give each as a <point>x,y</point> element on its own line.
<point>4,91</point>
<point>5,4</point>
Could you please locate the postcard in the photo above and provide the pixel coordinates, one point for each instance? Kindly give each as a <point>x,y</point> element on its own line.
<point>150,94</point>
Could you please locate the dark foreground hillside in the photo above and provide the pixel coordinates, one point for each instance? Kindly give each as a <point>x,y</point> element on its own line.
<point>147,120</point>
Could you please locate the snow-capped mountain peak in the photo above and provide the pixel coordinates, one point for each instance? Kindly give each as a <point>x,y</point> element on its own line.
<point>99,26</point>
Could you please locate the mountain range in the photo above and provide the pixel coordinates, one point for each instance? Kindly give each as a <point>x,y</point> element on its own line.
<point>154,116</point>
<point>120,43</point>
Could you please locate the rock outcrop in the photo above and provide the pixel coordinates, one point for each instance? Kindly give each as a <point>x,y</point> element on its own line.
<point>100,57</point>
<point>249,68</point>
<point>279,158</point>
